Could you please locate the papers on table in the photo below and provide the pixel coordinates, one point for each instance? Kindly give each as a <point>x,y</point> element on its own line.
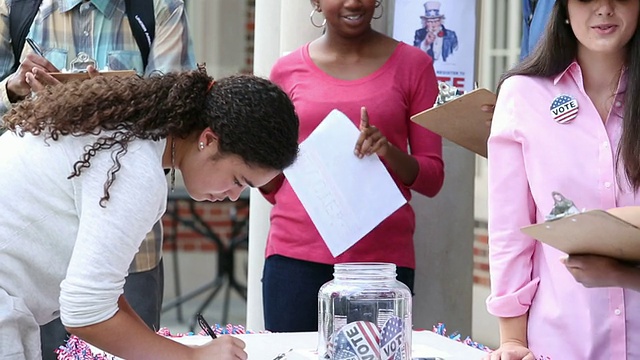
<point>346,197</point>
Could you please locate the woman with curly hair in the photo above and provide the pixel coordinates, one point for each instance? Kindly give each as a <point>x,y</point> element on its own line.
<point>83,181</point>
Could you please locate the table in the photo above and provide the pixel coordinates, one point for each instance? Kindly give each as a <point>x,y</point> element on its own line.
<point>270,345</point>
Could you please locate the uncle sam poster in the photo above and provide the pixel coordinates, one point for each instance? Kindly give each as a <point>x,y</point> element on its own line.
<point>446,31</point>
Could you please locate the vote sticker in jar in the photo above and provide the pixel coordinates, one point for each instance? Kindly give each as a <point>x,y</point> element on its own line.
<point>362,340</point>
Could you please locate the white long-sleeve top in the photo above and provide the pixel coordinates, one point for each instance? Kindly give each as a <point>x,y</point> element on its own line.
<point>59,249</point>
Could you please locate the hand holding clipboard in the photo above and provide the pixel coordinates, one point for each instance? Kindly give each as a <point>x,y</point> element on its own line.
<point>594,232</point>
<point>464,120</point>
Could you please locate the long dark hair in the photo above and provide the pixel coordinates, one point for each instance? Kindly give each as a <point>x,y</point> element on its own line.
<point>252,117</point>
<point>558,48</point>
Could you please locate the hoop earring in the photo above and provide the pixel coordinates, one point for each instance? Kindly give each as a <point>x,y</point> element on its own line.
<point>313,12</point>
<point>379,5</point>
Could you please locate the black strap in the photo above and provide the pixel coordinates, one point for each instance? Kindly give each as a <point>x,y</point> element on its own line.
<point>141,16</point>
<point>21,17</point>
<point>142,20</point>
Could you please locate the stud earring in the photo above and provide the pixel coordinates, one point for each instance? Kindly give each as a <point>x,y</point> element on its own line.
<point>201,145</point>
<point>566,21</point>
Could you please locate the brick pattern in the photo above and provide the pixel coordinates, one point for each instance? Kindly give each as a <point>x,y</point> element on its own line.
<point>217,216</point>
<point>481,257</point>
<point>250,26</point>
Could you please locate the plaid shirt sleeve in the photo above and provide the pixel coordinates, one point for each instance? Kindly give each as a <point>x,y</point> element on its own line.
<point>171,50</point>
<point>6,55</point>
<point>172,47</point>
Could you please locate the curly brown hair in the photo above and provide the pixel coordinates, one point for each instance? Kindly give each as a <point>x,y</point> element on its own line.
<point>252,117</point>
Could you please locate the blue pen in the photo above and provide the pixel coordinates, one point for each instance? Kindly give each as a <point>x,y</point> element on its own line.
<point>35,47</point>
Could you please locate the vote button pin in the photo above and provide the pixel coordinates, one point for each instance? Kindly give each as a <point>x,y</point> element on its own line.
<point>564,108</point>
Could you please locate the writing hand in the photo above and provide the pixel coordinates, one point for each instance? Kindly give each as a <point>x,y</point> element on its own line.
<point>17,85</point>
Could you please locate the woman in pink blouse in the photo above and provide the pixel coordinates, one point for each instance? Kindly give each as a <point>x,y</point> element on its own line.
<point>567,120</point>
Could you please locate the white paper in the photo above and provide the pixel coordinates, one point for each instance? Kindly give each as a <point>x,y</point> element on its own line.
<point>346,197</point>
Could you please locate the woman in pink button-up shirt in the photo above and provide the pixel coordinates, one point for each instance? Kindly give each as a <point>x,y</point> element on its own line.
<point>589,61</point>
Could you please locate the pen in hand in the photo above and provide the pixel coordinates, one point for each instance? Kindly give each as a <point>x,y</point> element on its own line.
<point>35,47</point>
<point>205,326</point>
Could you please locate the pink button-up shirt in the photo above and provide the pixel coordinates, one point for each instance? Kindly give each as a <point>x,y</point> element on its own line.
<point>531,155</point>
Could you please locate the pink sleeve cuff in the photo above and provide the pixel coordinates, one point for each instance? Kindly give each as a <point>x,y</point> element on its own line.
<point>513,304</point>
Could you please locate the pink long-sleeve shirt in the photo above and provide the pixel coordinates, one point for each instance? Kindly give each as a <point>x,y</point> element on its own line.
<point>403,86</point>
<point>531,155</point>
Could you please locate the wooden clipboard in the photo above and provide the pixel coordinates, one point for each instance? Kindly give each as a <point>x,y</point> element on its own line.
<point>68,76</point>
<point>594,232</point>
<point>461,120</point>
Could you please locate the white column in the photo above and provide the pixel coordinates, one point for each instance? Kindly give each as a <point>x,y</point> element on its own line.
<point>218,29</point>
<point>266,51</point>
<point>280,27</point>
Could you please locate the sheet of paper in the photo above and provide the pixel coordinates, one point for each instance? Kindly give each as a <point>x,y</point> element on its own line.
<point>346,197</point>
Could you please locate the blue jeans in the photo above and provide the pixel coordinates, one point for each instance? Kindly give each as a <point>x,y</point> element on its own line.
<point>143,291</point>
<point>290,292</point>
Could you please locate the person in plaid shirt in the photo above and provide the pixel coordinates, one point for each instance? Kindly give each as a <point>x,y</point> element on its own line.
<point>100,29</point>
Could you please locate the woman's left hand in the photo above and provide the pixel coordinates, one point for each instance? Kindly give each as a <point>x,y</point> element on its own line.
<point>371,139</point>
<point>595,271</point>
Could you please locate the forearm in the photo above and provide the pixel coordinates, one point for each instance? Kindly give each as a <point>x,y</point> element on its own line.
<point>514,330</point>
<point>403,165</point>
<point>125,335</point>
<point>630,214</point>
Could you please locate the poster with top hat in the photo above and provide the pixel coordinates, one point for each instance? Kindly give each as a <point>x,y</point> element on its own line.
<point>446,31</point>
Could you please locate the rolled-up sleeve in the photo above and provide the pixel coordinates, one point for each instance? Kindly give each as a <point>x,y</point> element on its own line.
<point>511,207</point>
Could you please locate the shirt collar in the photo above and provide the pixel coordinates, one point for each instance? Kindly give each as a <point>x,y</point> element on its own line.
<point>575,72</point>
<point>573,69</point>
<point>106,7</point>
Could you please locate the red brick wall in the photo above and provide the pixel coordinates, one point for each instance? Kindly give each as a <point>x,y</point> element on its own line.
<point>215,214</point>
<point>250,18</point>
<point>481,257</point>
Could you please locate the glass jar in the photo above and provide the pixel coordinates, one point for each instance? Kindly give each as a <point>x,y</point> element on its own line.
<point>364,313</point>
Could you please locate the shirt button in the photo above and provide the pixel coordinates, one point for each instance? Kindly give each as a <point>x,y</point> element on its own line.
<point>86,33</point>
<point>607,184</point>
<point>617,312</point>
<point>605,145</point>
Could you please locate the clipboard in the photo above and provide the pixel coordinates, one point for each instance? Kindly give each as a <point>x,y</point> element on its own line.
<point>595,232</point>
<point>461,120</point>
<point>69,76</point>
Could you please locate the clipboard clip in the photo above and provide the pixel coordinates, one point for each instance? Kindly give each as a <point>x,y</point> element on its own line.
<point>80,63</point>
<point>447,93</point>
<point>562,207</point>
